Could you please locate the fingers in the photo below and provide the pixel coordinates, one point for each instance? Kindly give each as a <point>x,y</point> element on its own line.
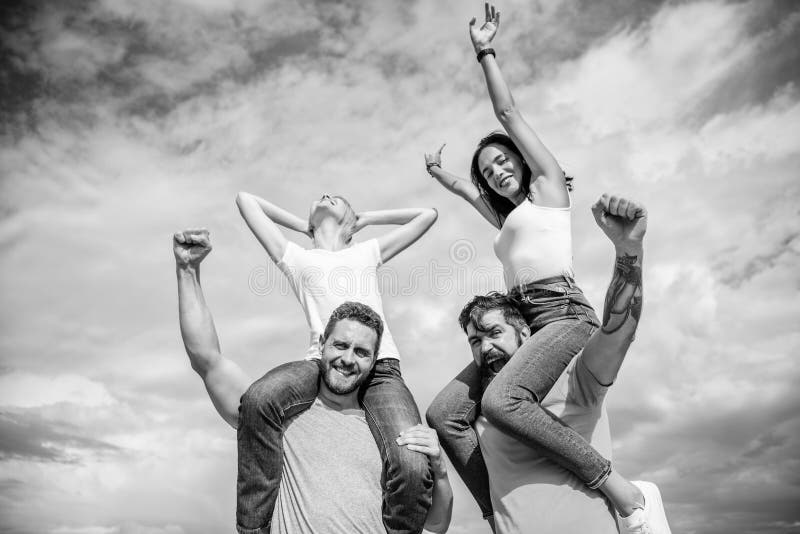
<point>193,236</point>
<point>618,207</point>
<point>613,205</point>
<point>439,152</point>
<point>488,12</point>
<point>420,437</point>
<point>630,210</point>
<point>497,19</point>
<point>599,210</point>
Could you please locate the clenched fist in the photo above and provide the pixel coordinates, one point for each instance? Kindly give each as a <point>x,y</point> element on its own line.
<point>624,221</point>
<point>191,246</point>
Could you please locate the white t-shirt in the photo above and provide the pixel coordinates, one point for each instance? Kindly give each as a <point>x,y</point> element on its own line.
<point>531,494</point>
<point>534,243</point>
<point>322,280</point>
<point>331,480</point>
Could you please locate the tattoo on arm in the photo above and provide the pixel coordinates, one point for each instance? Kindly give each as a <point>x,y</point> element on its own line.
<point>624,297</point>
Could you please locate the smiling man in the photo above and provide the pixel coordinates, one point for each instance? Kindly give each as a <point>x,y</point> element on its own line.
<point>327,444</point>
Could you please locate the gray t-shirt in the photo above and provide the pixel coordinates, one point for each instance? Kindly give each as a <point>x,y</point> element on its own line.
<point>331,480</point>
<point>531,493</point>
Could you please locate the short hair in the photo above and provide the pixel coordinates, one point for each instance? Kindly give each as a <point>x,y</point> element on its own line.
<point>348,223</point>
<point>476,308</point>
<point>500,205</point>
<point>356,311</point>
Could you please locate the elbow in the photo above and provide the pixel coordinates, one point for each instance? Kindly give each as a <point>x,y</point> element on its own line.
<point>506,114</point>
<point>241,198</point>
<point>202,361</point>
<point>431,215</point>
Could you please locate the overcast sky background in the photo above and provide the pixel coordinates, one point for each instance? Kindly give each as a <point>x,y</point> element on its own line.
<point>124,121</point>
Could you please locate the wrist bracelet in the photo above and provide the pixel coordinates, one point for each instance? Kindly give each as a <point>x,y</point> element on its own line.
<point>432,164</point>
<point>485,52</point>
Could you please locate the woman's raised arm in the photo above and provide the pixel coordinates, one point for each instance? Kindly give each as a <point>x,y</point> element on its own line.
<point>551,181</point>
<point>459,186</point>
<point>414,223</point>
<point>263,218</point>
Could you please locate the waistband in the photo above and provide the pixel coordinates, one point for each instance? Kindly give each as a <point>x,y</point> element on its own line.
<point>553,283</point>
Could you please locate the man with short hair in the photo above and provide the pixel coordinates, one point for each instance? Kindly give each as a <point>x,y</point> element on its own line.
<point>331,478</point>
<point>529,491</point>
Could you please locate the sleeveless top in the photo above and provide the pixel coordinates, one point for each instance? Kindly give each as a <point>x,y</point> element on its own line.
<point>534,243</point>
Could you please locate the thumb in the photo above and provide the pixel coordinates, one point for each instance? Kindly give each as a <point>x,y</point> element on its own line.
<point>472,22</point>
<point>599,212</point>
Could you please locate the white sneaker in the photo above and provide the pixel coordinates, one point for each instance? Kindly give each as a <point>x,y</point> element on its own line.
<point>648,520</point>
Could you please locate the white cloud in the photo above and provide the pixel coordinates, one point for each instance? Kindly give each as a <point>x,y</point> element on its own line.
<point>25,390</point>
<point>659,70</point>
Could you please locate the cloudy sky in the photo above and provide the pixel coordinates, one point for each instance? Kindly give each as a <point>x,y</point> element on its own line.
<point>124,121</point>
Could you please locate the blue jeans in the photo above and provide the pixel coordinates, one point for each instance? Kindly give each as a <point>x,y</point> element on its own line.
<point>561,321</point>
<point>287,390</point>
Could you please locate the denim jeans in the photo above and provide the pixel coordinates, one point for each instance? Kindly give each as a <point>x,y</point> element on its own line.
<point>287,390</point>
<point>561,321</point>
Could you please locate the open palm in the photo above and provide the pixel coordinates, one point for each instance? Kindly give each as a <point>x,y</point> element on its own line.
<point>483,35</point>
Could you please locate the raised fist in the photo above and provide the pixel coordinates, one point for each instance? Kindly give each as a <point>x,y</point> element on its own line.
<point>191,246</point>
<point>624,221</point>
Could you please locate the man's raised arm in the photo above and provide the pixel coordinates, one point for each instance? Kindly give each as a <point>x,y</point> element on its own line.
<point>224,380</point>
<point>625,223</point>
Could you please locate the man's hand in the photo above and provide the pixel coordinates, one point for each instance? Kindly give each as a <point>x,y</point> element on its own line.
<point>191,246</point>
<point>422,439</point>
<point>624,221</point>
<point>482,37</point>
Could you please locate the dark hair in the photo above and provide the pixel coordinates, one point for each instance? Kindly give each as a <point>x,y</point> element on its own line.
<point>500,205</point>
<point>476,308</point>
<point>356,311</point>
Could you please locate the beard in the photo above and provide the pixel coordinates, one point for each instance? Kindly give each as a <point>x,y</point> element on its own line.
<point>342,380</point>
<point>490,370</point>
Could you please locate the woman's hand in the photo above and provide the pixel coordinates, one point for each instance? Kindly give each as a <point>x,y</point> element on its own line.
<point>434,159</point>
<point>422,439</point>
<point>482,37</point>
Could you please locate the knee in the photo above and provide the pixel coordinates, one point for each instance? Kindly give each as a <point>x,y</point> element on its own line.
<point>436,416</point>
<point>412,468</point>
<point>262,397</point>
<point>498,401</point>
<point>253,399</point>
<point>450,415</point>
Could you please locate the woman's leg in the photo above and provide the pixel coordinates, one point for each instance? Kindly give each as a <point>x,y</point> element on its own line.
<point>268,403</point>
<point>452,414</point>
<point>406,479</point>
<point>511,401</point>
